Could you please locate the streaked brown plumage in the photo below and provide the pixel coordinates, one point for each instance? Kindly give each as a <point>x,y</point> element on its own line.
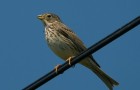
<point>64,43</point>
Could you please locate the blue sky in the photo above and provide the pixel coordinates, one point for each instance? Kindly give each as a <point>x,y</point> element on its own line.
<point>25,57</point>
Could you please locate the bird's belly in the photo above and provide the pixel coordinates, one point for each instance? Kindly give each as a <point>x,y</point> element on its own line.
<point>60,48</point>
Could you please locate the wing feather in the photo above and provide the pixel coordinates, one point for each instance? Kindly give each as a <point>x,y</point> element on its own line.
<point>78,44</point>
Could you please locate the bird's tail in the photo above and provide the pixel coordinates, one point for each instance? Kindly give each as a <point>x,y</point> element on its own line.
<point>104,77</point>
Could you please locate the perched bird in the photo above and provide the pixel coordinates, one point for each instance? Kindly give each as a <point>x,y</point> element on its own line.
<point>64,43</point>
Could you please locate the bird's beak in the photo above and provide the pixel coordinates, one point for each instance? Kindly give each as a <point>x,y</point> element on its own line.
<point>41,17</point>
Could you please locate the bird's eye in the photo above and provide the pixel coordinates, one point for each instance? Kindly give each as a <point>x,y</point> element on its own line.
<point>49,16</point>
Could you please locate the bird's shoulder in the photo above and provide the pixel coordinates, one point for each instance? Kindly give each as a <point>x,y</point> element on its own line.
<point>70,33</point>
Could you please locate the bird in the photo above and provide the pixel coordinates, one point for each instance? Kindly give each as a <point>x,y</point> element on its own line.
<point>66,45</point>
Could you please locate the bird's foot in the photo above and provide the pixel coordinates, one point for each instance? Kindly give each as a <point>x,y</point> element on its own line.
<point>70,59</point>
<point>56,68</point>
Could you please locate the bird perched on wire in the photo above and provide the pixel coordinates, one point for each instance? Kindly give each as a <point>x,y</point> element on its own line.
<point>64,43</point>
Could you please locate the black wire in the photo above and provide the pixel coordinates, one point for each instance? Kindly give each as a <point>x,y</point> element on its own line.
<point>84,54</point>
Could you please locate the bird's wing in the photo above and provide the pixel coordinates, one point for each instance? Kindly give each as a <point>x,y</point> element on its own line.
<point>78,44</point>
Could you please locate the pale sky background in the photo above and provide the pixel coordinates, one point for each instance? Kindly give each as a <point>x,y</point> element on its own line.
<point>25,56</point>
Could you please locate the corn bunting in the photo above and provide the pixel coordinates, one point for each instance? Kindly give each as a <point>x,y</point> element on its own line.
<point>64,43</point>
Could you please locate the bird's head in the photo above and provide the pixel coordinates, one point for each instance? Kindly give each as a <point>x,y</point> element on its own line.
<point>49,18</point>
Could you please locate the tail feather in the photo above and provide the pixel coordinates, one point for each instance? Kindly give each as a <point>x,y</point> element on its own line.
<point>109,82</point>
<point>104,77</point>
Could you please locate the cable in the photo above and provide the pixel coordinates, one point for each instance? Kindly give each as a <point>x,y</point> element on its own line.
<point>84,54</point>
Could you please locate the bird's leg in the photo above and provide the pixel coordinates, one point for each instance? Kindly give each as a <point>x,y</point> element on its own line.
<point>70,59</point>
<point>56,68</point>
